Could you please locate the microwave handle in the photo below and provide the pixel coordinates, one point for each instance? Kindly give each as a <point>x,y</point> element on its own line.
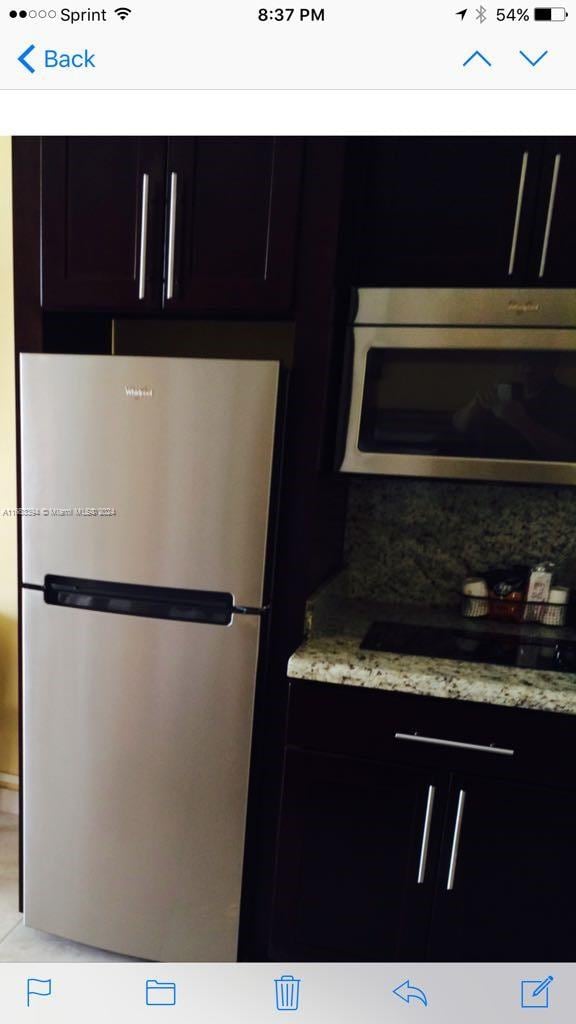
<point>360,342</point>
<point>345,397</point>
<point>518,216</point>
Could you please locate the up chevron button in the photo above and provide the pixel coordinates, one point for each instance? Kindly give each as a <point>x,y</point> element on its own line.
<point>477,54</point>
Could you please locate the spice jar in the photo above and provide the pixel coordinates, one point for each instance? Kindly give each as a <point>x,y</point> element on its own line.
<point>507,589</point>
<point>475,594</point>
<point>557,606</point>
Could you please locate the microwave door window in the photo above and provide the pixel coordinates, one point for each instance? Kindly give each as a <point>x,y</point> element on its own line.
<point>480,404</point>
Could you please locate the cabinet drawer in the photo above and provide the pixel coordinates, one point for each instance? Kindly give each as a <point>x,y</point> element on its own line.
<point>499,741</point>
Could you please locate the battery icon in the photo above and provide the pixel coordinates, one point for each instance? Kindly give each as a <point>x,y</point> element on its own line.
<point>550,14</point>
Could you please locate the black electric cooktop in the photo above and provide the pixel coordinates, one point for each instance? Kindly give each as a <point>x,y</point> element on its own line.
<point>460,644</point>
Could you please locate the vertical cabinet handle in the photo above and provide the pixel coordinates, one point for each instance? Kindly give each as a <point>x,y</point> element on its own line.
<point>518,216</point>
<point>143,236</point>
<point>456,840</point>
<point>171,235</point>
<point>426,834</point>
<point>550,215</point>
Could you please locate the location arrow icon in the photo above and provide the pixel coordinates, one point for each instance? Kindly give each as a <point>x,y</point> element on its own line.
<point>406,991</point>
<point>462,14</point>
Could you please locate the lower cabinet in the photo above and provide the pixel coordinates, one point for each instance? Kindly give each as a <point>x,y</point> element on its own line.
<point>513,894</point>
<point>427,852</point>
<point>350,851</point>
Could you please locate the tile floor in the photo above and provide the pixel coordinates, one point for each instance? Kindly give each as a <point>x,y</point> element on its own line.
<point>19,944</point>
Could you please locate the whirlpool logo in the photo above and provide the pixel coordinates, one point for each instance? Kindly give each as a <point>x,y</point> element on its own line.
<point>514,306</point>
<point>138,391</point>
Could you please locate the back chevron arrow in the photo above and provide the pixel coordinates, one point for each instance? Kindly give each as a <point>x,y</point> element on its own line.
<point>406,991</point>
<point>24,62</point>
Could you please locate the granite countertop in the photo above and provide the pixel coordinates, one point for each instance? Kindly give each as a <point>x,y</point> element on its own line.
<point>332,654</point>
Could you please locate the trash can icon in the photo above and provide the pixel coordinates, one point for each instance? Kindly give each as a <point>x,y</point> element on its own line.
<point>287,992</point>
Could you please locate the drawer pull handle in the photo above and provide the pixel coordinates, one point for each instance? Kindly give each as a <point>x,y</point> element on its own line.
<point>550,214</point>
<point>170,268</point>
<point>519,202</point>
<point>143,236</point>
<point>426,834</point>
<point>435,741</point>
<point>456,840</point>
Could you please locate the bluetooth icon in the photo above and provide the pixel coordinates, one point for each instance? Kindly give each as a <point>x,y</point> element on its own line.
<point>481,14</point>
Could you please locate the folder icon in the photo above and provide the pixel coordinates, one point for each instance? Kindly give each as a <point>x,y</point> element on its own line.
<point>160,993</point>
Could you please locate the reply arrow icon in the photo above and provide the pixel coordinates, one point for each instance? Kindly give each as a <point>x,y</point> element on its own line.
<point>406,992</point>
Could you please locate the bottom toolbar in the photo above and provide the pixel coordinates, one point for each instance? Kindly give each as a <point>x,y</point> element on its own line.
<point>255,993</point>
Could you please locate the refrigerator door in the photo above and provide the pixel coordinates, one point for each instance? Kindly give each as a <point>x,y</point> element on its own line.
<point>136,757</point>
<point>148,471</point>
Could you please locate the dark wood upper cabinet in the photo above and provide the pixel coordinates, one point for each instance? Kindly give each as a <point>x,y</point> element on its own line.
<point>210,225</point>
<point>232,223</point>
<point>444,212</point>
<point>189,225</point>
<point>102,223</point>
<point>513,896</point>
<point>553,259</point>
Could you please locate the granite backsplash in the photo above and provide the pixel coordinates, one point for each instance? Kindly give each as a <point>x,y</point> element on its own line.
<point>415,540</point>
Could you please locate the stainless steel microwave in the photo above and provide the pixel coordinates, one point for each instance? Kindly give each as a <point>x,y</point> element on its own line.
<point>475,384</point>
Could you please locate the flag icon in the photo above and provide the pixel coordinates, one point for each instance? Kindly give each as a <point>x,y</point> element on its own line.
<point>38,987</point>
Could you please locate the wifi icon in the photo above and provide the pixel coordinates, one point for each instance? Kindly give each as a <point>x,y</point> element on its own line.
<point>123,12</point>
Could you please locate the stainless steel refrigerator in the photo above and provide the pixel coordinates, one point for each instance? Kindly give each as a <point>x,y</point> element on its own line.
<point>146,487</point>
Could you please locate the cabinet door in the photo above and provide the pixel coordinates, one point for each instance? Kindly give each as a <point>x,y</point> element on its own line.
<point>445,211</point>
<point>506,890</point>
<point>102,222</point>
<point>350,858</point>
<point>553,261</point>
<point>231,224</point>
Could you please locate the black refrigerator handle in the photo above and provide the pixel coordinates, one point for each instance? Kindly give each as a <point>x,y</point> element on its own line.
<point>206,606</point>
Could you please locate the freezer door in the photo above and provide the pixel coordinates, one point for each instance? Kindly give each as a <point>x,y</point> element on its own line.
<point>150,471</point>
<point>136,757</point>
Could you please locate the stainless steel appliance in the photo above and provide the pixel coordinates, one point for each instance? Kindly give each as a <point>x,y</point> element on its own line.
<point>465,383</point>
<point>146,485</point>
